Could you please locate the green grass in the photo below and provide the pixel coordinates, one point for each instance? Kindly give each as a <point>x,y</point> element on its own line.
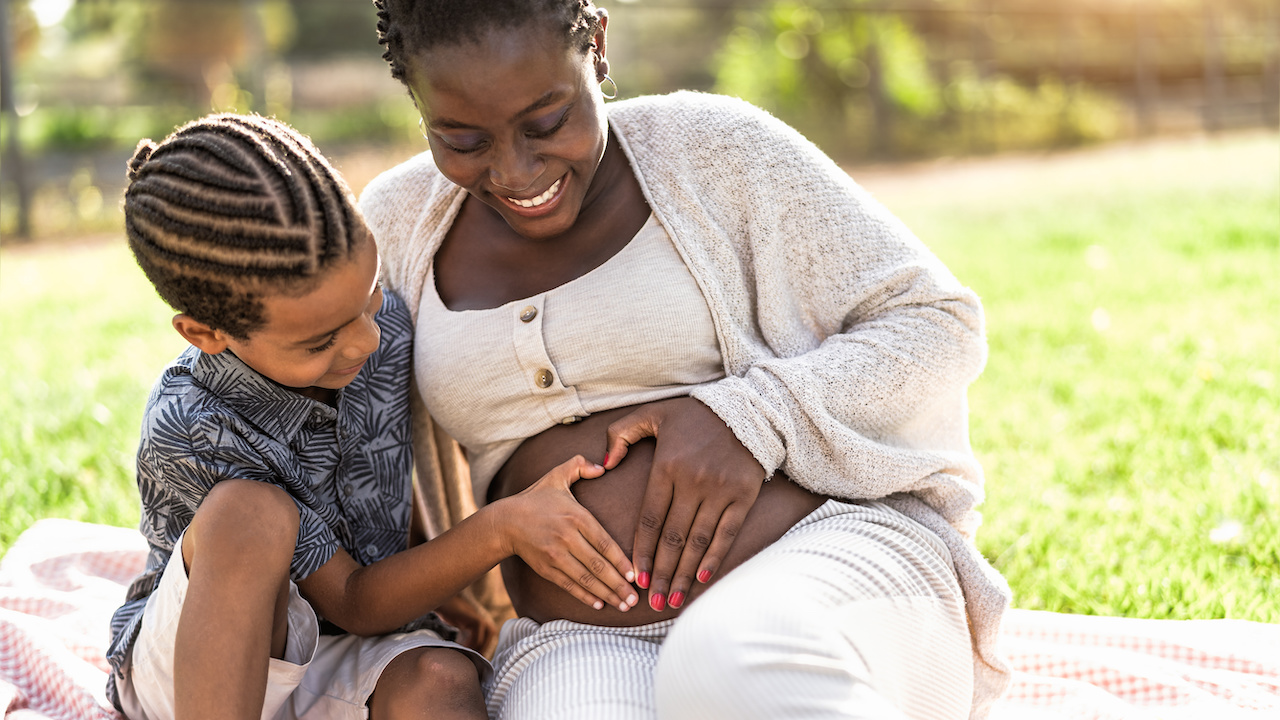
<point>1128,419</point>
<point>85,336</point>
<point>1129,416</point>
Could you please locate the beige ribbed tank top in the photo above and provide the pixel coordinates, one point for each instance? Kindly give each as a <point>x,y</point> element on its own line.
<point>634,330</point>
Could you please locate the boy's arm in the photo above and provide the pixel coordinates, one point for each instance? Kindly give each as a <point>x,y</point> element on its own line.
<point>544,525</point>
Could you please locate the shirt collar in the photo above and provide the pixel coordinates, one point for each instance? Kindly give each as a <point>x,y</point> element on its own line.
<point>276,410</point>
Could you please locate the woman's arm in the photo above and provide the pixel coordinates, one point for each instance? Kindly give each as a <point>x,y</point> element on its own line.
<point>848,345</point>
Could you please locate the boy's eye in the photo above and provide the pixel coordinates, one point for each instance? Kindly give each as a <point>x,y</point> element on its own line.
<point>327,344</point>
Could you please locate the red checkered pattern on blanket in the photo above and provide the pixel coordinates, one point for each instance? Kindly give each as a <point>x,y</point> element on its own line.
<point>62,580</point>
<point>1190,669</point>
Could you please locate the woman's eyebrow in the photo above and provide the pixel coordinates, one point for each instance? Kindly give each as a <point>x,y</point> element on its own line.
<point>445,123</point>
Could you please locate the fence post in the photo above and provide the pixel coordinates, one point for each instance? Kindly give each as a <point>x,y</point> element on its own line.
<point>1146,79</point>
<point>880,111</point>
<point>13,161</point>
<point>1214,81</point>
<point>1068,68</point>
<point>1271,71</point>
<point>986,131</point>
<point>256,55</point>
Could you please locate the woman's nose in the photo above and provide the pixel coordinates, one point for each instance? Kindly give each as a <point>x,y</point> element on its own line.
<point>515,169</point>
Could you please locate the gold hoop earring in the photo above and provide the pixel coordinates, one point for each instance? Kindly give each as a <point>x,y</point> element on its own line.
<point>422,128</point>
<point>606,95</point>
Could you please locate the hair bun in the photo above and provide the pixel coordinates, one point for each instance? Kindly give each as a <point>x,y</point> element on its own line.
<point>141,155</point>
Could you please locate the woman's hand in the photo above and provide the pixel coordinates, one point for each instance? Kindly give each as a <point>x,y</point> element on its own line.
<point>562,542</point>
<point>701,485</point>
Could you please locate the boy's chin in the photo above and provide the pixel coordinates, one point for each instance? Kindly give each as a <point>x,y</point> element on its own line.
<point>317,392</point>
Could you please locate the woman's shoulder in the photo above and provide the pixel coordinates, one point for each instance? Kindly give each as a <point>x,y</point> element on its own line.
<point>408,182</point>
<point>690,125</point>
<point>397,204</point>
<point>684,107</point>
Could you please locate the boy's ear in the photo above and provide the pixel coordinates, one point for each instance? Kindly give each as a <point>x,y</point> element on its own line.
<point>209,340</point>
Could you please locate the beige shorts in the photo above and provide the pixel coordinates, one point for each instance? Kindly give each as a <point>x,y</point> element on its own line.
<point>320,676</point>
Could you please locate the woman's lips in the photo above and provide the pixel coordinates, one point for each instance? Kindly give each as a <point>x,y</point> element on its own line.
<point>539,205</point>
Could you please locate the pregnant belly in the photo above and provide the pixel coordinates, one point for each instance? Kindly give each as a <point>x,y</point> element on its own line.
<point>615,501</point>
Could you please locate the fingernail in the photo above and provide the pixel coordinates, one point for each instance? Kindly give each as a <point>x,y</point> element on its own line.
<point>632,600</point>
<point>704,575</point>
<point>606,459</point>
<point>598,605</point>
<point>658,602</point>
<point>623,606</point>
<point>631,576</point>
<point>677,599</point>
<point>643,580</point>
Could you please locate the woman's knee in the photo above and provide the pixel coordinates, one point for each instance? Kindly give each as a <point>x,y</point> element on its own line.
<point>708,653</point>
<point>882,658</point>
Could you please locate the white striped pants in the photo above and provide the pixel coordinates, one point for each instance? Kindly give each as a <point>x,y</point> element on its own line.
<point>854,613</point>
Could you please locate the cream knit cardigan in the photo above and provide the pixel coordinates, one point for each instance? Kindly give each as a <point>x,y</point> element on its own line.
<point>847,345</point>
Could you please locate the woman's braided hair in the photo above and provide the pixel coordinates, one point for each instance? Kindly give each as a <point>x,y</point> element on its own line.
<point>233,207</point>
<point>408,27</point>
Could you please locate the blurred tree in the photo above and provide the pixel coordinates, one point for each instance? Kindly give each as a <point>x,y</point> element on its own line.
<point>825,67</point>
<point>214,54</point>
<point>24,31</point>
<point>332,27</point>
<point>19,34</point>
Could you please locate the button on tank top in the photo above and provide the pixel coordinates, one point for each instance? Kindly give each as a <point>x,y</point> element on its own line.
<point>633,330</point>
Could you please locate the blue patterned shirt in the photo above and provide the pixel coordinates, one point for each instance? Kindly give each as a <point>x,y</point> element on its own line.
<point>211,418</point>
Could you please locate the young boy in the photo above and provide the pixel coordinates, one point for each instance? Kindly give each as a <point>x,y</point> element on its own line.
<point>274,466</point>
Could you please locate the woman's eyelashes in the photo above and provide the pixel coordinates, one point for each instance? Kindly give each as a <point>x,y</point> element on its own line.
<point>462,143</point>
<point>547,128</point>
<point>537,131</point>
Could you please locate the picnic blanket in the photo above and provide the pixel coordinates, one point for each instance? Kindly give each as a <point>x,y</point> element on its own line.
<point>61,581</point>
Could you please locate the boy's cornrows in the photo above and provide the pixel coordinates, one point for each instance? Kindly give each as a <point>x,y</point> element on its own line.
<point>231,206</point>
<point>407,27</point>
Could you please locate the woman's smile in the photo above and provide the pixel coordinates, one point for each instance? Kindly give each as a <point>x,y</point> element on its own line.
<point>539,205</point>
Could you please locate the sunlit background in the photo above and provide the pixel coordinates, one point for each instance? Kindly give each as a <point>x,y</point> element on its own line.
<point>1104,173</point>
<point>866,79</point>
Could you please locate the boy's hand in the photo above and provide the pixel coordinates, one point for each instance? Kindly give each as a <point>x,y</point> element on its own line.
<point>564,543</point>
<point>475,628</point>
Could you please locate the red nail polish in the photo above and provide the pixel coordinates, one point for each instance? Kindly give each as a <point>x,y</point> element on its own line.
<point>606,459</point>
<point>677,599</point>
<point>643,580</point>
<point>658,602</point>
<point>704,575</point>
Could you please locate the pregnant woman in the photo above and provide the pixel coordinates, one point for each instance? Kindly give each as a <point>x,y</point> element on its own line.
<point>772,367</point>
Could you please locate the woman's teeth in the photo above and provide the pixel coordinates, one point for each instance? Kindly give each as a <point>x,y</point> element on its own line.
<point>535,202</point>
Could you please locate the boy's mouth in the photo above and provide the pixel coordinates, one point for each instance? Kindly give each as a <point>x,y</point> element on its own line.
<point>353,369</point>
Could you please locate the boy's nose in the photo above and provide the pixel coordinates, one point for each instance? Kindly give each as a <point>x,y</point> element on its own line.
<point>365,338</point>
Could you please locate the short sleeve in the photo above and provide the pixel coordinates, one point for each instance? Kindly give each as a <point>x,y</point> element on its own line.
<point>188,447</point>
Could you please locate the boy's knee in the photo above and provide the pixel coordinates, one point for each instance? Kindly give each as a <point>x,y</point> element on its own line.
<point>249,516</point>
<point>440,679</point>
<point>444,669</point>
